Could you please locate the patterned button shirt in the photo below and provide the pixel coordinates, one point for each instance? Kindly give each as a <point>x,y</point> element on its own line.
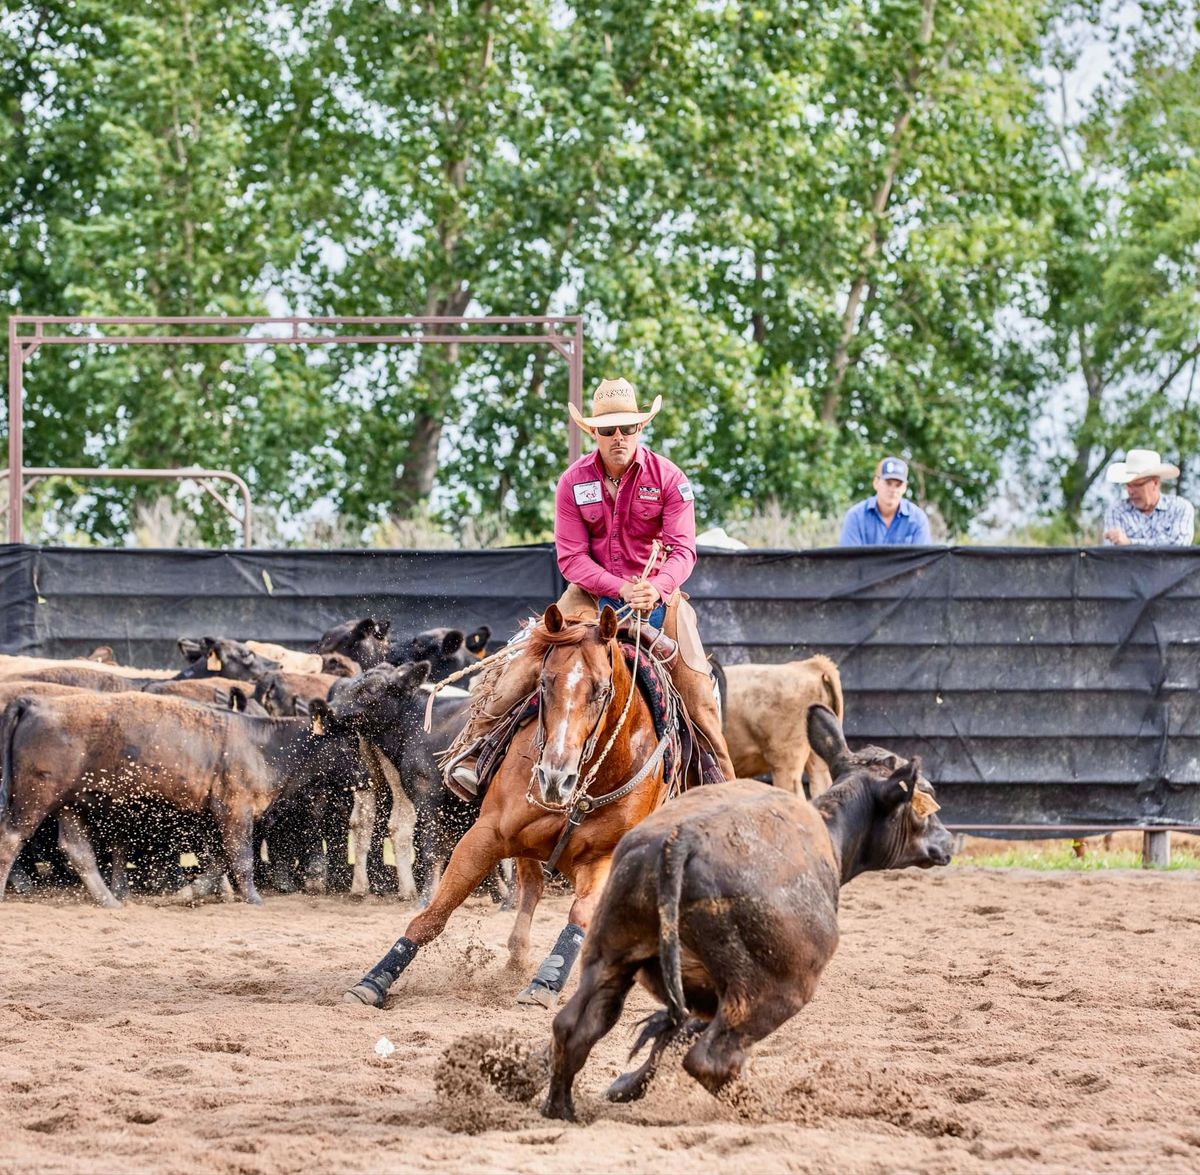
<point>1172,523</point>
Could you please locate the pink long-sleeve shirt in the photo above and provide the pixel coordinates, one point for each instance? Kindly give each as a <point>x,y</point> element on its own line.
<point>602,544</point>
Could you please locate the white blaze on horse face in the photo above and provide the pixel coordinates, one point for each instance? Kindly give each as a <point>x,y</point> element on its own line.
<point>573,680</point>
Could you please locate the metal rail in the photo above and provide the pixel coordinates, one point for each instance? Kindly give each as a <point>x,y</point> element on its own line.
<point>27,333</point>
<point>32,474</point>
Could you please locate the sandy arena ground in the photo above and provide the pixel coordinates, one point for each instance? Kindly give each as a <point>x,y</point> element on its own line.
<point>972,1020</point>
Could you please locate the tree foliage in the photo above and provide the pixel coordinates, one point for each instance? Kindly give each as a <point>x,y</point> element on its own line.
<point>821,232</point>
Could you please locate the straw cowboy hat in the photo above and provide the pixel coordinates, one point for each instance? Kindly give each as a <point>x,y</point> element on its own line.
<point>614,402</point>
<point>1140,463</point>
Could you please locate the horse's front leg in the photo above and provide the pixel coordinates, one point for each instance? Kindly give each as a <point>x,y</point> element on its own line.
<point>547,985</point>
<point>530,882</point>
<point>469,864</point>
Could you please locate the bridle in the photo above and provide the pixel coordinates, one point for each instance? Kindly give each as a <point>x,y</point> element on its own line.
<point>607,691</point>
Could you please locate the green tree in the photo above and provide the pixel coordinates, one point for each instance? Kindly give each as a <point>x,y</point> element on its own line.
<point>1123,272</point>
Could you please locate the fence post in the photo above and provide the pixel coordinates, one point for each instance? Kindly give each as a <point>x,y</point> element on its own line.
<point>1156,850</point>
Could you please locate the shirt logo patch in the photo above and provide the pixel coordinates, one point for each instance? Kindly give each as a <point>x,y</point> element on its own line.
<point>685,491</point>
<point>587,493</point>
<point>649,493</point>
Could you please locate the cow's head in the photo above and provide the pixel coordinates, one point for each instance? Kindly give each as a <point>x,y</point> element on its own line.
<point>280,699</point>
<point>446,649</point>
<point>339,665</point>
<point>235,698</point>
<point>363,641</point>
<point>881,811</point>
<point>374,701</point>
<point>213,657</point>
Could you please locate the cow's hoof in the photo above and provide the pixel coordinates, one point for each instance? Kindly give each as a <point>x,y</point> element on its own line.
<point>110,903</point>
<point>563,1110</point>
<point>360,993</point>
<point>538,995</point>
<point>629,1087</point>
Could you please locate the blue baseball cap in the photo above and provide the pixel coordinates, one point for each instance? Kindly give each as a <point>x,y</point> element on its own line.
<point>894,468</point>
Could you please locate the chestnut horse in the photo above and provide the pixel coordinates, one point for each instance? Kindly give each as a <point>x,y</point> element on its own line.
<point>593,725</point>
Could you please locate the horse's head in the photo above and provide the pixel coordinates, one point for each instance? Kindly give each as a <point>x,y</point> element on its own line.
<point>577,685</point>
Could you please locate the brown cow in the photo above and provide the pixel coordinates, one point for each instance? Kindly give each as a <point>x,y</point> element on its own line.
<point>79,672</point>
<point>222,692</point>
<point>124,746</point>
<point>287,695</point>
<point>723,904</point>
<point>764,727</point>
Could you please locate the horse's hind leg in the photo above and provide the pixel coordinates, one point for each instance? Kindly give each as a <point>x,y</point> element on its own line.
<point>591,1012</point>
<point>530,883</point>
<point>473,856</point>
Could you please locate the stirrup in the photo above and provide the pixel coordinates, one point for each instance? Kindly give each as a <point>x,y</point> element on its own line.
<point>460,776</point>
<point>466,778</point>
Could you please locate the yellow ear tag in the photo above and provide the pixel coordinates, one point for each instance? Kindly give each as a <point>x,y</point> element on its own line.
<point>924,804</point>
<point>318,727</point>
<point>214,661</point>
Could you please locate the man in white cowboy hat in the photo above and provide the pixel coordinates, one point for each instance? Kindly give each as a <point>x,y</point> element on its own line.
<point>610,507</point>
<point>1147,516</point>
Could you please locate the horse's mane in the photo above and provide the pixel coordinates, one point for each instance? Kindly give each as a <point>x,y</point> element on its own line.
<point>576,629</point>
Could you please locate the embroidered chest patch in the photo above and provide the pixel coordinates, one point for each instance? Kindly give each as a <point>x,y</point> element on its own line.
<point>587,493</point>
<point>649,493</point>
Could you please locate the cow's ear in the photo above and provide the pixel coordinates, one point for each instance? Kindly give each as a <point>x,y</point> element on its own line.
<point>381,628</point>
<point>318,717</point>
<point>608,623</point>
<point>552,619</point>
<point>364,629</point>
<point>825,735</point>
<point>191,649</point>
<point>900,787</point>
<point>477,641</point>
<point>412,676</point>
<point>453,641</point>
<point>237,700</point>
<point>213,662</point>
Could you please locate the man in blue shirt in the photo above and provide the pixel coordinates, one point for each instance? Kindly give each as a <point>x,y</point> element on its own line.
<point>888,518</point>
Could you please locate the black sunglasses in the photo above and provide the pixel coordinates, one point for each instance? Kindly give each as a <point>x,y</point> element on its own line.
<point>608,430</point>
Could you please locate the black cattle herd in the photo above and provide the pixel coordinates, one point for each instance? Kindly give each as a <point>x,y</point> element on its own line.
<point>291,771</point>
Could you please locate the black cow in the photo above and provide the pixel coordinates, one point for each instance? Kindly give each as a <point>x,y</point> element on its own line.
<point>213,657</point>
<point>385,709</point>
<point>364,641</point>
<point>446,649</point>
<point>723,904</point>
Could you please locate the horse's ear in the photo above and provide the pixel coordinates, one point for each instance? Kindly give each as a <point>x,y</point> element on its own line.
<point>608,623</point>
<point>552,619</point>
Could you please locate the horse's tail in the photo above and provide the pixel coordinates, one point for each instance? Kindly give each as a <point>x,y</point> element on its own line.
<point>670,889</point>
<point>13,713</point>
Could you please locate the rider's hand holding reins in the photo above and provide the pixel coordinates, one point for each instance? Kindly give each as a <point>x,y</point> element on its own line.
<point>640,594</point>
